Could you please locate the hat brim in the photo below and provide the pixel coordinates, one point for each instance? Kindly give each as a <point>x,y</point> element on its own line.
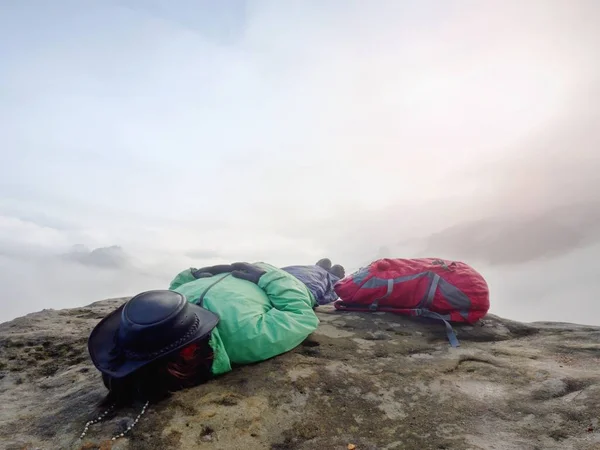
<point>102,338</point>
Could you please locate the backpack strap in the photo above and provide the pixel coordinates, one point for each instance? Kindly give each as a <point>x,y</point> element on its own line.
<point>434,280</point>
<point>390,287</point>
<point>424,311</point>
<point>449,330</point>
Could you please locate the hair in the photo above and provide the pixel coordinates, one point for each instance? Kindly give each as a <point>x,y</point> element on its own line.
<point>185,368</point>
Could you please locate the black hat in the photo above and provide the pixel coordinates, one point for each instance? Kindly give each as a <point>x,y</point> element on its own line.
<point>148,327</point>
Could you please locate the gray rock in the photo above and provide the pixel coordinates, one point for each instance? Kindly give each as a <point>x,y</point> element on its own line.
<point>375,381</point>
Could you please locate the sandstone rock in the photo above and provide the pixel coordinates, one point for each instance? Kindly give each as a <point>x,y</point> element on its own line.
<point>378,381</point>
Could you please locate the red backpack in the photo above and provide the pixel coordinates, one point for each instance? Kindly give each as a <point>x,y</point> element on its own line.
<point>450,291</point>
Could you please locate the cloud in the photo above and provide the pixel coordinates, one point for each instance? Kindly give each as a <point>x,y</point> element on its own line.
<point>520,239</point>
<point>540,202</point>
<point>107,257</point>
<point>34,283</point>
<point>203,254</point>
<point>170,134</point>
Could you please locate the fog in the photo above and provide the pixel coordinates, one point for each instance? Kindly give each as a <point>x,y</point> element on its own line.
<point>141,138</point>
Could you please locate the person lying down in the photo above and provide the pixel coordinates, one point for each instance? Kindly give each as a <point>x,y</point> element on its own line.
<point>209,320</point>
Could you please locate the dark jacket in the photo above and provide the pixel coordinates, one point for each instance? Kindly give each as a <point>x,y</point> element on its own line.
<point>318,281</point>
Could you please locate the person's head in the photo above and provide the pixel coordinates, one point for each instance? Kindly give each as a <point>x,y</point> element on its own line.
<point>187,367</point>
<point>154,344</point>
<point>338,271</point>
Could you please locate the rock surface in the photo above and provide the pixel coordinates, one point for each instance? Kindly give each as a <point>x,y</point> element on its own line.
<point>373,381</point>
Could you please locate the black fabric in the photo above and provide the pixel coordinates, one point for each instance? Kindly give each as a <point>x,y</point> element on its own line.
<point>212,270</point>
<point>148,327</point>
<point>248,272</point>
<point>202,274</point>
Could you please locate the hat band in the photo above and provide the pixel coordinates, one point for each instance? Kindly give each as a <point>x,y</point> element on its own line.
<point>151,355</point>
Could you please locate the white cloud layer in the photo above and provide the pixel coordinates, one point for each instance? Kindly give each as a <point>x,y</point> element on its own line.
<point>187,133</point>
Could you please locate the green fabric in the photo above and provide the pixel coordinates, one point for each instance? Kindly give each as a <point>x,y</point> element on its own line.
<point>257,322</point>
<point>221,363</point>
<point>182,278</point>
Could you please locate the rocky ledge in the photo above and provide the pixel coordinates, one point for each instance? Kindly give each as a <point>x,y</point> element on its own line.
<point>362,381</point>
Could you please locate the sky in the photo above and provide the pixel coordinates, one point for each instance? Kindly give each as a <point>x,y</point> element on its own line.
<point>142,137</point>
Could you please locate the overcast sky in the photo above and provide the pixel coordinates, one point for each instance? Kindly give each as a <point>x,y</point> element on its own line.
<point>158,135</point>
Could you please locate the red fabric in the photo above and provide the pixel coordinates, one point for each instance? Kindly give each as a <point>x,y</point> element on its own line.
<point>408,295</point>
<point>188,352</point>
